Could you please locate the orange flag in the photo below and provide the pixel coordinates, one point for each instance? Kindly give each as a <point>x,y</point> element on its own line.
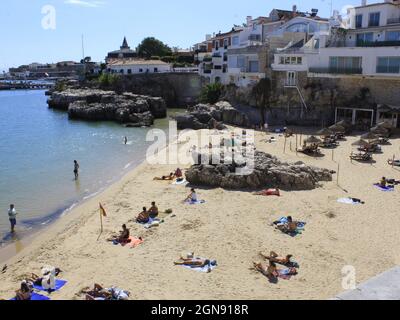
<point>103,211</point>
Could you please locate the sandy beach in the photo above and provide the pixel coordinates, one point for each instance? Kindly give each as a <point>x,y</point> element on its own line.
<point>231,227</point>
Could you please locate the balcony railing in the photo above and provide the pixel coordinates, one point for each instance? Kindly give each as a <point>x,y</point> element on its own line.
<point>364,44</point>
<point>336,71</point>
<point>393,20</point>
<point>388,69</point>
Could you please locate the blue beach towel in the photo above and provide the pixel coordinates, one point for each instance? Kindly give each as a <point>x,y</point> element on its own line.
<point>384,189</point>
<point>35,297</point>
<point>59,285</point>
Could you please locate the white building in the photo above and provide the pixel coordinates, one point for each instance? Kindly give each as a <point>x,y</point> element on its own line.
<point>137,66</point>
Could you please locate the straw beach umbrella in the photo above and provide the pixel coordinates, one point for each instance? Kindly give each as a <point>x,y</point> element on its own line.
<point>360,143</point>
<point>325,132</point>
<point>379,130</point>
<point>369,136</point>
<point>337,128</point>
<point>385,125</point>
<point>313,139</point>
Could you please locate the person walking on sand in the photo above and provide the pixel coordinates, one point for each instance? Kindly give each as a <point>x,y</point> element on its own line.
<point>12,215</point>
<point>76,169</point>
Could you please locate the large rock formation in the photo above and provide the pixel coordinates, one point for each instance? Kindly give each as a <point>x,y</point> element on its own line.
<point>206,116</point>
<point>98,105</point>
<point>268,172</point>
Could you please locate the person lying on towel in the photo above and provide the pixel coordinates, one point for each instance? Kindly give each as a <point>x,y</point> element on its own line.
<point>97,292</point>
<point>268,192</point>
<point>165,178</point>
<point>274,257</point>
<point>143,217</point>
<point>192,262</point>
<point>289,227</point>
<point>123,236</point>
<point>270,271</point>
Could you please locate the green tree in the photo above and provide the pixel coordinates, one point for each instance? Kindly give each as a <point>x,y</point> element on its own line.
<point>262,93</point>
<point>153,47</point>
<point>211,93</point>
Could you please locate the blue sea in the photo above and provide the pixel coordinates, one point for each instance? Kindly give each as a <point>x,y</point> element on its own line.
<point>37,148</point>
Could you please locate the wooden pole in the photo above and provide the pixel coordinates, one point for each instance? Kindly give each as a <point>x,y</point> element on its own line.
<point>101,221</point>
<point>338,171</point>
<point>284,147</point>
<point>393,161</point>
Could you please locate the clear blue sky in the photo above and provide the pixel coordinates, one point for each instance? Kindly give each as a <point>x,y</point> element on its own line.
<point>104,24</point>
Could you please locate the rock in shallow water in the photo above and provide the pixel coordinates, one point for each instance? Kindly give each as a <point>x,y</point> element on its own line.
<point>98,105</point>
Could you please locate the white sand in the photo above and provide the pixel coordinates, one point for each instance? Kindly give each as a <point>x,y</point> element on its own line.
<point>232,227</point>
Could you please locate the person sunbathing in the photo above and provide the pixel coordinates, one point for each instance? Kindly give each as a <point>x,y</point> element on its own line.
<point>270,271</point>
<point>383,182</point>
<point>143,217</point>
<point>195,262</point>
<point>289,227</point>
<point>24,293</point>
<point>165,178</point>
<point>192,197</point>
<point>274,257</point>
<point>123,236</point>
<point>153,211</point>
<point>268,192</point>
<point>178,173</point>
<point>97,292</point>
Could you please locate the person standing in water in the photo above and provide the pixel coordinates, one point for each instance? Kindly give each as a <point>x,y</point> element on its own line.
<point>126,140</point>
<point>12,215</point>
<point>76,169</point>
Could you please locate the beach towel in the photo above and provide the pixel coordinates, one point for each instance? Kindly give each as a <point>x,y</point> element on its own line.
<point>152,223</point>
<point>300,226</point>
<point>285,274</point>
<point>178,183</point>
<point>59,285</point>
<point>35,297</point>
<point>384,189</point>
<point>195,202</point>
<point>133,243</point>
<point>203,269</point>
<point>348,201</point>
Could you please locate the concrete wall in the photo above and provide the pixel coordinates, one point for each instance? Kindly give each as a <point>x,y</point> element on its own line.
<point>178,89</point>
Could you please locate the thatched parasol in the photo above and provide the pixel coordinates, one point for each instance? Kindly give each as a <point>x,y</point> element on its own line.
<point>360,143</point>
<point>385,125</point>
<point>369,136</point>
<point>345,124</point>
<point>379,130</point>
<point>312,139</point>
<point>325,132</point>
<point>337,128</point>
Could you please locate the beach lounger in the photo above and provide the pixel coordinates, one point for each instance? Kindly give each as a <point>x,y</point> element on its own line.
<point>395,163</point>
<point>361,157</point>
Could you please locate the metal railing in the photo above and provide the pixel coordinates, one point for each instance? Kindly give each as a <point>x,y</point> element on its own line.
<point>336,70</point>
<point>388,69</point>
<point>393,20</point>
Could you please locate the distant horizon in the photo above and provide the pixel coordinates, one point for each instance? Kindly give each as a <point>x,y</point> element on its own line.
<point>105,23</point>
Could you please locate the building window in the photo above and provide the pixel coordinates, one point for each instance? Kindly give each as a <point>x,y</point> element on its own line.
<point>359,20</point>
<point>140,70</point>
<point>281,60</point>
<point>299,60</point>
<point>388,65</point>
<point>129,71</point>
<point>235,41</point>
<point>290,60</point>
<point>121,71</point>
<point>226,43</point>
<point>393,36</point>
<point>374,19</point>
<point>155,70</point>
<point>364,38</point>
<point>345,64</point>
<point>253,66</point>
<point>241,64</point>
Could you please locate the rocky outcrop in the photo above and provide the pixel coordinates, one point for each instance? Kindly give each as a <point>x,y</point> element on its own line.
<point>268,172</point>
<point>98,105</point>
<point>206,116</point>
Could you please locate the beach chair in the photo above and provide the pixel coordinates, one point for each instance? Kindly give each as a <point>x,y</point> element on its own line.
<point>361,156</point>
<point>395,163</point>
